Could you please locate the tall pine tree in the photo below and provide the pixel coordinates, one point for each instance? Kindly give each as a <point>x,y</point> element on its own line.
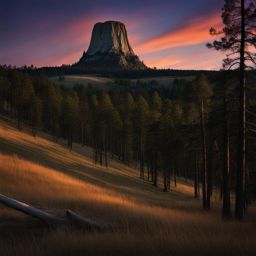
<point>237,39</point>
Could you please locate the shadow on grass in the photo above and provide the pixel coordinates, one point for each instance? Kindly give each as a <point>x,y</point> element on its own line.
<point>57,157</point>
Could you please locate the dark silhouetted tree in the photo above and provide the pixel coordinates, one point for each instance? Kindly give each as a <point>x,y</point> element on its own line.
<point>141,123</point>
<point>201,92</point>
<point>238,37</point>
<point>35,114</point>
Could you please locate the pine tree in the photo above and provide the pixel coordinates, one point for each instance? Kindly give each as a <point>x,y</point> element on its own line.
<point>201,93</point>
<point>127,117</point>
<point>166,138</point>
<point>238,37</point>
<point>70,113</point>
<point>24,92</point>
<point>4,89</point>
<point>224,97</point>
<point>141,123</point>
<point>35,114</point>
<point>106,109</point>
<point>94,125</point>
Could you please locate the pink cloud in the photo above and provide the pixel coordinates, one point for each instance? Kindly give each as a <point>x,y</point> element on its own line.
<point>196,32</point>
<point>199,59</point>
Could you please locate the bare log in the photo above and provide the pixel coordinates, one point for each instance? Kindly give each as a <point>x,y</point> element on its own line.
<point>82,222</point>
<point>85,222</point>
<point>29,210</point>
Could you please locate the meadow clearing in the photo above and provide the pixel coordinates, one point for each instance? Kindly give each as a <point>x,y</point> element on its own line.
<point>106,82</point>
<point>71,80</point>
<point>46,174</point>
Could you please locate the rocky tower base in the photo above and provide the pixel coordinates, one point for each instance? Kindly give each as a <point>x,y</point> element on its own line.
<point>110,48</point>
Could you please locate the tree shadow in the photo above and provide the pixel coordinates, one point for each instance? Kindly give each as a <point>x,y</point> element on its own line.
<point>78,166</point>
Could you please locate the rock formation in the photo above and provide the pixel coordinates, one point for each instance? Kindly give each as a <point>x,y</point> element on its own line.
<point>110,48</point>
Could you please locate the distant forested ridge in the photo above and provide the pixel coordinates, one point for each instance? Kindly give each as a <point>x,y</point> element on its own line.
<point>108,72</point>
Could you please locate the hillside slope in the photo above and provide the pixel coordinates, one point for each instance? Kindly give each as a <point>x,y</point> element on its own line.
<point>150,222</point>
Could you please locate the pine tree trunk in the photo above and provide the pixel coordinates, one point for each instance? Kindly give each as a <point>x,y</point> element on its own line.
<point>241,167</point>
<point>169,177</point>
<point>106,152</point>
<point>96,154</point>
<point>155,175</point>
<point>82,133</point>
<point>123,151</point>
<point>175,177</point>
<point>70,142</point>
<point>141,159</point>
<point>106,158</point>
<point>209,179</point>
<point>101,156</point>
<point>151,172</point>
<point>226,166</point>
<point>204,157</point>
<point>165,181</point>
<point>196,179</point>
<point>19,121</point>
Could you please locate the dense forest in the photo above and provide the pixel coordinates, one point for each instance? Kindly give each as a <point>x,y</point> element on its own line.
<point>188,133</point>
<point>202,130</point>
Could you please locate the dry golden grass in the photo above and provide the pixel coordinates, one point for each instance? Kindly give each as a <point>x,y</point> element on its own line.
<point>78,164</point>
<point>51,189</point>
<point>45,174</point>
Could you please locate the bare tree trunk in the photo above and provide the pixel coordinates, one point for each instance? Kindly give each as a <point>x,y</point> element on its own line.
<point>241,166</point>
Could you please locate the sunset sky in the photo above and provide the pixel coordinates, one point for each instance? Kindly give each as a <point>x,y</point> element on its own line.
<point>164,33</point>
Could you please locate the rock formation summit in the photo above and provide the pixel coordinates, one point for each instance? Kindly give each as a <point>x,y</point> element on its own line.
<point>110,48</point>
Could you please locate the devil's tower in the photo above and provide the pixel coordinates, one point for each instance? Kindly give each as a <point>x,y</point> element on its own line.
<point>110,48</point>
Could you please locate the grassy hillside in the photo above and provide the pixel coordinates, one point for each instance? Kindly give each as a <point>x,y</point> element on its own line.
<point>150,222</point>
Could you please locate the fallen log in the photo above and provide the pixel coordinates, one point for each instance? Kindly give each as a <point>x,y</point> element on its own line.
<point>72,217</point>
<point>85,222</point>
<point>29,210</point>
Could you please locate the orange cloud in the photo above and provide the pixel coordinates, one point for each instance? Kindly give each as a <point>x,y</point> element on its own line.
<point>164,62</point>
<point>196,32</point>
<point>195,59</point>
